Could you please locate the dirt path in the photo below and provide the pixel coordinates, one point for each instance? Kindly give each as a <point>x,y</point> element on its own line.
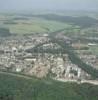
<point>93,82</point>
<point>16,75</point>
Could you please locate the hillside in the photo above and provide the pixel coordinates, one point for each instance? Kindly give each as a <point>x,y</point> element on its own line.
<point>18,88</point>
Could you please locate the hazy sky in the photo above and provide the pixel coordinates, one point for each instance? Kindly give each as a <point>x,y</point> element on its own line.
<point>48,4</point>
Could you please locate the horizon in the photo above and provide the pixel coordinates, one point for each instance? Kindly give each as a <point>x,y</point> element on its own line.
<point>51,5</point>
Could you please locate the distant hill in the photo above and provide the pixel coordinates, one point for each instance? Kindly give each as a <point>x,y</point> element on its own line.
<point>82,21</point>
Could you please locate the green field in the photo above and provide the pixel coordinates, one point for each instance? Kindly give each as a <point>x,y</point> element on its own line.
<point>37,26</point>
<point>94,49</point>
<point>47,23</point>
<point>30,25</point>
<point>16,88</point>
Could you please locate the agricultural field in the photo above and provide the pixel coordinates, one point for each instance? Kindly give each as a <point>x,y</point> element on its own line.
<point>48,23</point>
<point>19,25</point>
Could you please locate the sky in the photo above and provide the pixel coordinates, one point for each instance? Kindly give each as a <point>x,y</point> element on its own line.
<point>48,5</point>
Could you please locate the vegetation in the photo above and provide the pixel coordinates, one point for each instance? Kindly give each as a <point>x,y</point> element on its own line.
<point>15,88</point>
<point>49,23</point>
<point>4,32</point>
<point>76,60</point>
<point>83,22</point>
<point>27,25</point>
<point>72,56</point>
<point>94,49</point>
<point>21,88</point>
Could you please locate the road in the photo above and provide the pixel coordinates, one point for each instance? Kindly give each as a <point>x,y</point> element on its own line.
<point>16,75</point>
<point>93,82</point>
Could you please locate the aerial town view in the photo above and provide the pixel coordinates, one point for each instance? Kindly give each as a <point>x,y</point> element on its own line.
<point>48,53</point>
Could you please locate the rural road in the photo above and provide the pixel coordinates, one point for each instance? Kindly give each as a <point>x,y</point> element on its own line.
<point>93,82</point>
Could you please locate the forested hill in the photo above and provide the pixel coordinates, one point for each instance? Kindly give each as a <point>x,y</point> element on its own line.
<point>83,21</point>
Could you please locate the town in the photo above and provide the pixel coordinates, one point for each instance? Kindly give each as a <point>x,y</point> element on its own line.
<point>15,57</point>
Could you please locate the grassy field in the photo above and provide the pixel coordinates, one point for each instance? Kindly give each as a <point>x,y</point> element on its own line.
<point>15,88</point>
<point>94,49</point>
<point>37,26</point>
<point>21,24</point>
<point>30,25</point>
